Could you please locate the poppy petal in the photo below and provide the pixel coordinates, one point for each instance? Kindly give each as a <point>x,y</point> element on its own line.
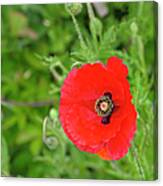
<point>118,146</point>
<point>116,65</point>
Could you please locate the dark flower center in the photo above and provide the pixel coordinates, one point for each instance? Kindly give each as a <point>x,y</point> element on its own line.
<point>104,107</point>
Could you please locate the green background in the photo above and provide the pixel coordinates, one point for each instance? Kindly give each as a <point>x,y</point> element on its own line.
<point>39,47</point>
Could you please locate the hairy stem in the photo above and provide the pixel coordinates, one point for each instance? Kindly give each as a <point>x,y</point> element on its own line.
<point>138,164</point>
<point>90,11</point>
<point>82,43</point>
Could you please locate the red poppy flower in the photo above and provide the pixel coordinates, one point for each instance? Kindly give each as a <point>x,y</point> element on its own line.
<point>96,110</point>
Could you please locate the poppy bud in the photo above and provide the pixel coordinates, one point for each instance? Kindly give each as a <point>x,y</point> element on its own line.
<point>73,8</point>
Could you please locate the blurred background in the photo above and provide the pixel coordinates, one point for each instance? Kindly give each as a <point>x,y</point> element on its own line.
<point>39,47</point>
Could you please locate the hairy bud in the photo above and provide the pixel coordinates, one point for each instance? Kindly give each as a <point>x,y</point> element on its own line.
<point>73,8</point>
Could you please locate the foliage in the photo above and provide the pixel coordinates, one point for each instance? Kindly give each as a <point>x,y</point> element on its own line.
<point>39,47</point>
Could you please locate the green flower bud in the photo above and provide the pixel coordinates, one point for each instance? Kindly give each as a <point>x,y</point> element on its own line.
<point>53,115</point>
<point>73,8</point>
<point>51,142</point>
<point>134,27</point>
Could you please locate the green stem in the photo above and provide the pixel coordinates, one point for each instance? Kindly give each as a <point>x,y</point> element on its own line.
<point>82,43</point>
<point>93,32</point>
<point>90,11</point>
<point>138,165</point>
<point>140,9</point>
<point>55,74</point>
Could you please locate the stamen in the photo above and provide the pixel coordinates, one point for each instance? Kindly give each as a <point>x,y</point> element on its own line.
<point>105,120</point>
<point>104,107</point>
<point>108,94</point>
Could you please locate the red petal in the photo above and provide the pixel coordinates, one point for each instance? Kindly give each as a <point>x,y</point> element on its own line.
<point>90,82</point>
<point>86,135</point>
<point>119,69</point>
<point>118,146</point>
<point>103,153</point>
<point>85,129</point>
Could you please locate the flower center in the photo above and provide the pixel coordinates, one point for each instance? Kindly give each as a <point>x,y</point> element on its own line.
<point>104,107</point>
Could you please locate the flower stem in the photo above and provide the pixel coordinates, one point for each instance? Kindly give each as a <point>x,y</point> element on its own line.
<point>92,19</point>
<point>82,43</point>
<point>90,11</point>
<point>138,165</point>
<point>140,9</point>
